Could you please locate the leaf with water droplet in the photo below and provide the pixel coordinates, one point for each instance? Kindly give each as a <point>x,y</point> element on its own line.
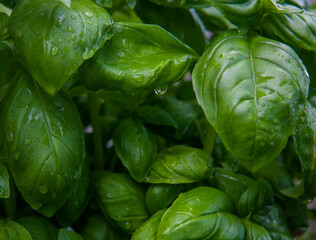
<point>4,181</point>
<point>12,230</point>
<point>139,57</point>
<point>51,41</point>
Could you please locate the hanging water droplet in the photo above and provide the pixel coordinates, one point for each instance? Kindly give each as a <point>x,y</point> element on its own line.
<point>27,141</point>
<point>88,14</point>
<point>125,43</point>
<point>10,136</point>
<point>54,50</point>
<point>128,225</point>
<point>161,91</point>
<point>43,189</point>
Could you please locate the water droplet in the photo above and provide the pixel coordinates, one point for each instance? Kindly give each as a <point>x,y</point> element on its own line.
<point>87,54</point>
<point>161,91</point>
<point>128,225</point>
<point>73,17</point>
<point>43,189</point>
<point>125,43</point>
<point>36,205</point>
<point>27,141</point>
<point>120,53</point>
<point>148,235</point>
<point>289,96</point>
<point>52,173</point>
<point>60,20</point>
<point>69,28</point>
<point>88,14</point>
<point>89,22</point>
<point>10,136</point>
<point>39,155</point>
<point>109,195</point>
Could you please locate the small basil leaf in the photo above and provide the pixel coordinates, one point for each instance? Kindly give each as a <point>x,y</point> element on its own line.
<point>4,181</point>
<point>138,57</point>
<point>156,115</point>
<point>54,37</point>
<point>202,206</point>
<point>160,196</point>
<point>256,232</point>
<point>136,147</point>
<point>40,228</point>
<point>258,195</point>
<point>4,22</point>
<point>65,234</point>
<point>122,200</point>
<point>6,58</point>
<point>12,230</point>
<point>279,24</point>
<point>234,185</point>
<point>185,24</point>
<point>181,164</point>
<point>148,230</point>
<point>242,12</point>
<point>44,163</point>
<point>95,227</point>
<point>304,138</point>
<point>77,200</point>
<point>252,90</point>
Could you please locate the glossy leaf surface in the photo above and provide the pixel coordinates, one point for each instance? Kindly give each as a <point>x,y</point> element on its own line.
<point>122,200</point>
<point>39,228</point>
<point>4,181</point>
<point>292,25</point>
<point>202,206</point>
<point>44,163</point>
<point>160,196</point>
<point>136,147</point>
<point>58,37</point>
<point>149,228</point>
<point>304,138</point>
<point>65,234</point>
<point>180,164</point>
<point>4,22</point>
<point>11,230</point>
<point>252,90</point>
<point>138,57</point>
<point>256,232</point>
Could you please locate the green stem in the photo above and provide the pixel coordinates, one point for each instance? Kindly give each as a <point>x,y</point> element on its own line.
<point>209,140</point>
<point>94,107</point>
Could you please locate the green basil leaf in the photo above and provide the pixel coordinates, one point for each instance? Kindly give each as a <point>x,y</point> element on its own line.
<point>138,57</point>
<point>160,196</point>
<point>40,228</point>
<point>256,232</point>
<point>202,206</point>
<point>8,3</point>
<point>12,230</point>
<point>149,228</point>
<point>258,195</point>
<point>304,138</point>
<point>77,200</point>
<point>122,200</point>
<point>292,25</point>
<point>136,147</point>
<point>156,115</point>
<point>4,181</point>
<point>185,24</point>
<point>4,22</point>
<point>252,90</point>
<point>54,37</point>
<point>45,163</point>
<point>243,13</point>
<point>6,58</point>
<point>181,164</point>
<point>95,227</point>
<point>65,234</point>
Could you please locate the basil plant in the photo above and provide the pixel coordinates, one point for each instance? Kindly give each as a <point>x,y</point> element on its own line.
<point>157,119</point>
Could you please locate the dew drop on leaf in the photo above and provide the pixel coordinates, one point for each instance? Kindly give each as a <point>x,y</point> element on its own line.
<point>27,141</point>
<point>88,14</point>
<point>43,189</point>
<point>160,91</point>
<point>128,225</point>
<point>125,43</point>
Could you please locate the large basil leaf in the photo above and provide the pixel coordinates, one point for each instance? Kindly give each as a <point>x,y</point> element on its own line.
<point>40,228</point>
<point>136,147</point>
<point>77,200</point>
<point>6,57</point>
<point>4,22</point>
<point>304,138</point>
<point>122,200</point>
<point>139,56</point>
<point>181,164</point>
<point>149,228</point>
<point>12,230</point>
<point>292,25</point>
<point>160,196</point>
<point>4,181</point>
<point>95,227</point>
<point>185,24</point>
<point>252,90</point>
<point>45,162</point>
<point>65,234</point>
<point>54,37</point>
<point>202,206</point>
